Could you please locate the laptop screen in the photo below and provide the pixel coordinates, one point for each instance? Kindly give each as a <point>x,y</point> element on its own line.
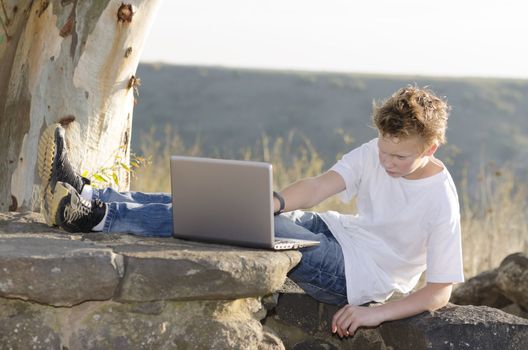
<point>222,200</point>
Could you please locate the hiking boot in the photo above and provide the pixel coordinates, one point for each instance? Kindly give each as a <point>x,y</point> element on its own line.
<point>53,163</point>
<point>51,201</point>
<point>54,166</point>
<point>75,214</point>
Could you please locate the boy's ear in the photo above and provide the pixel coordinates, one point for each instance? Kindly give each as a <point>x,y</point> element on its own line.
<point>431,150</point>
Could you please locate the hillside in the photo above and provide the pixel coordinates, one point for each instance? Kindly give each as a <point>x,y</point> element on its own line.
<point>231,108</point>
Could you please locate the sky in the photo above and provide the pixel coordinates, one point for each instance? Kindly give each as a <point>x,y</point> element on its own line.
<point>419,37</point>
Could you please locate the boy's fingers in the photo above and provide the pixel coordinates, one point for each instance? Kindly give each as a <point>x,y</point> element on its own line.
<point>341,325</point>
<point>344,321</point>
<point>336,317</point>
<point>353,328</point>
<point>347,323</point>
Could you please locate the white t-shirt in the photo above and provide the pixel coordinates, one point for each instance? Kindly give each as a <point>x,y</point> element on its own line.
<point>402,228</point>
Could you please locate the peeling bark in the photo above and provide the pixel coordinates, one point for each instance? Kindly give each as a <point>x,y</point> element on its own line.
<point>66,61</point>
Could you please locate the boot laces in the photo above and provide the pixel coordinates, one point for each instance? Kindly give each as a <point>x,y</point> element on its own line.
<point>78,209</point>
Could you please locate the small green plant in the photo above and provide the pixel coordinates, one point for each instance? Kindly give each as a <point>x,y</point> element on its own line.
<point>108,176</point>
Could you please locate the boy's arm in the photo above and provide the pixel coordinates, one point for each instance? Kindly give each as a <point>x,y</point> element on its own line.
<point>309,192</point>
<point>429,298</point>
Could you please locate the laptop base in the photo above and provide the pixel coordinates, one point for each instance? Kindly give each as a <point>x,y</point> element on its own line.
<point>289,243</point>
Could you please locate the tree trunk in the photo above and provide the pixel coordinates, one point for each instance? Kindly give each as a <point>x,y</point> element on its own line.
<point>73,62</point>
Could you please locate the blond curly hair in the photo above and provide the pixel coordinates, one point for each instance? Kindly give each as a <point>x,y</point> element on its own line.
<point>412,111</point>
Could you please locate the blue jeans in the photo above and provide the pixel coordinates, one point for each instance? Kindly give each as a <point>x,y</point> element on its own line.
<point>321,271</point>
<point>142,214</point>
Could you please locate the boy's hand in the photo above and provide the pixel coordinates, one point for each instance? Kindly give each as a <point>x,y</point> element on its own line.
<point>429,298</point>
<point>349,318</point>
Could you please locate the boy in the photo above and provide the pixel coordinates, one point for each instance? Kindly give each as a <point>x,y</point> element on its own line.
<point>408,215</point>
<point>408,219</point>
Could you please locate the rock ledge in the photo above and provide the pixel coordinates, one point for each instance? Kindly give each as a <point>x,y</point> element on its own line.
<point>104,291</point>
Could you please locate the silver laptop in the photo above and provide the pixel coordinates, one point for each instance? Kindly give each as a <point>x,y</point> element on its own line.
<point>225,201</point>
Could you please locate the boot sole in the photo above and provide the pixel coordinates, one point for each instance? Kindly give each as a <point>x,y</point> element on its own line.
<point>62,190</point>
<point>46,154</point>
<point>46,157</point>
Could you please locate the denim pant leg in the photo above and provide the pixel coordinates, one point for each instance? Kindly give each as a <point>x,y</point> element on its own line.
<point>138,213</point>
<point>108,195</point>
<point>321,271</point>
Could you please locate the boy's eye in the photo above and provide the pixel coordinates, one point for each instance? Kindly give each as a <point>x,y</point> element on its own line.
<point>401,157</point>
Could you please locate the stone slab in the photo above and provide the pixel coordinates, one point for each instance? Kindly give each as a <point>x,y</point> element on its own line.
<point>302,322</point>
<point>512,278</point>
<point>200,272</point>
<point>59,272</point>
<point>162,325</point>
<point>46,265</point>
<point>480,290</point>
<point>458,327</point>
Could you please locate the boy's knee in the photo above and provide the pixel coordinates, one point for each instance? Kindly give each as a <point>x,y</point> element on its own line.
<point>281,222</point>
<point>297,217</point>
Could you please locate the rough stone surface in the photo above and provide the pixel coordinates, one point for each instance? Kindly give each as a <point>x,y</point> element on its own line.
<point>26,325</point>
<point>505,287</point>
<point>55,271</point>
<point>200,272</point>
<point>303,323</point>
<point>45,265</point>
<point>480,290</point>
<point>516,310</point>
<point>104,291</point>
<point>512,278</point>
<point>111,325</point>
<point>458,327</point>
<point>107,291</point>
